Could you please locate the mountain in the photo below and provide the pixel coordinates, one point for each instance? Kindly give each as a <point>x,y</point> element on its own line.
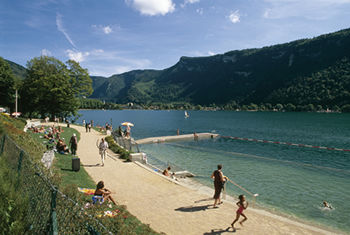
<point>308,71</point>
<point>18,70</point>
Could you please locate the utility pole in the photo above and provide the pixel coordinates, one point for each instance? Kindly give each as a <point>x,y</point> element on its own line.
<point>16,114</point>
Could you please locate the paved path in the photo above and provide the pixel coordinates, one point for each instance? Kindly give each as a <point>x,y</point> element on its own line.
<point>161,139</point>
<point>172,208</point>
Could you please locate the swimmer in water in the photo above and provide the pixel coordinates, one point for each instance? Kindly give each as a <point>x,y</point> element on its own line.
<point>326,205</point>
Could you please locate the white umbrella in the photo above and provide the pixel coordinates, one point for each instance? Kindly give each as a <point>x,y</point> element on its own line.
<point>16,114</point>
<point>127,124</point>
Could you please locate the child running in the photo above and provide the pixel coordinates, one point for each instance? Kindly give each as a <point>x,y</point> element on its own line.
<point>242,205</point>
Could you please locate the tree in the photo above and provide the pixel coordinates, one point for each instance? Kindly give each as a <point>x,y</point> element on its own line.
<point>279,107</point>
<point>345,108</point>
<point>79,79</point>
<point>48,88</point>
<point>7,84</point>
<point>290,107</point>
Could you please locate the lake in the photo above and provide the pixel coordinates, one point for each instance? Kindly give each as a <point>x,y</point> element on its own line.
<point>290,180</point>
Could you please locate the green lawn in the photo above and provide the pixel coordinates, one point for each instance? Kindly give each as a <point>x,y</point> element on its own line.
<point>63,162</point>
<point>124,223</point>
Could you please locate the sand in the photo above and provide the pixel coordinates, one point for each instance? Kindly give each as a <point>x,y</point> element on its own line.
<point>172,208</point>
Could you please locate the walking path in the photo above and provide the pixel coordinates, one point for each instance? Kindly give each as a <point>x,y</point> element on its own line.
<point>161,139</point>
<point>172,208</point>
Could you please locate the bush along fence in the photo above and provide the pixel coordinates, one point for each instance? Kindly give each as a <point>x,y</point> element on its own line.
<point>116,148</point>
<point>127,143</point>
<point>48,211</point>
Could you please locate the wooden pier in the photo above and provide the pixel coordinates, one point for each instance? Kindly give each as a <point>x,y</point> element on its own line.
<point>161,139</point>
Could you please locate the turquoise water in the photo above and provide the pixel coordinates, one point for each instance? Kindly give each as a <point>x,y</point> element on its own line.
<point>289,179</point>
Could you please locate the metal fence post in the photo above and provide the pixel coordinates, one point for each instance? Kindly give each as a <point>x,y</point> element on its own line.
<point>19,167</point>
<point>53,227</point>
<point>2,144</point>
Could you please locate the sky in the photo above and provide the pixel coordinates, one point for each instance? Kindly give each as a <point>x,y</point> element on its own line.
<point>114,36</point>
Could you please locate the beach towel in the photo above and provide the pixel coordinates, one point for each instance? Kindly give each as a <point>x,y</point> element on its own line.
<point>109,213</point>
<point>86,191</point>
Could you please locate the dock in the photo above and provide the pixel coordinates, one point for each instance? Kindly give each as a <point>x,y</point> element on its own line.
<point>161,139</point>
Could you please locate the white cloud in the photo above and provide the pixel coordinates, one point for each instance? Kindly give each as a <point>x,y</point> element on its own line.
<point>200,11</point>
<point>107,30</point>
<point>45,52</point>
<point>211,53</point>
<point>97,51</point>
<point>310,9</point>
<point>200,54</point>
<point>267,13</point>
<point>188,2</point>
<point>122,69</point>
<point>107,63</point>
<point>60,28</point>
<point>77,56</point>
<point>234,17</point>
<point>152,7</point>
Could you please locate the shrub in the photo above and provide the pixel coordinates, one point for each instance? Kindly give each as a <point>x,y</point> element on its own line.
<point>124,154</point>
<point>12,204</point>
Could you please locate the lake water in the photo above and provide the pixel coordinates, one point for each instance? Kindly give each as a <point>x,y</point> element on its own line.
<point>289,179</point>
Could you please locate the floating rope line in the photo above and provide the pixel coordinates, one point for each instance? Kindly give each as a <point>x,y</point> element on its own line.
<point>260,157</point>
<point>239,186</point>
<point>285,143</point>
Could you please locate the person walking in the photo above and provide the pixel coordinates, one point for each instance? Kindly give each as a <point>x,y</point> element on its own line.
<point>73,142</point>
<point>103,146</point>
<point>219,181</point>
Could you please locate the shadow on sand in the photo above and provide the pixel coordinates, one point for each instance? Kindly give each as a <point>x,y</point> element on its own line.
<point>98,164</point>
<point>194,208</point>
<point>220,231</point>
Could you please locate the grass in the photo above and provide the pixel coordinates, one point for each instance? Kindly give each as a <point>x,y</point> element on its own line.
<point>123,153</point>
<point>63,162</point>
<point>124,223</point>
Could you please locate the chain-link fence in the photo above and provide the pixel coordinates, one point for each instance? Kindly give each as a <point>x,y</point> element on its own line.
<point>49,211</point>
<point>126,143</point>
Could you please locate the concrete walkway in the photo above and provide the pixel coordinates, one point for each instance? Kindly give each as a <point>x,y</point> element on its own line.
<point>171,208</point>
<point>161,139</point>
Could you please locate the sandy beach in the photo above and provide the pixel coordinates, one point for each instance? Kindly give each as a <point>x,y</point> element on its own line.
<point>172,208</point>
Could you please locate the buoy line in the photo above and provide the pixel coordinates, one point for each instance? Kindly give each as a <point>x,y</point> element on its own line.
<point>260,157</point>
<point>284,143</point>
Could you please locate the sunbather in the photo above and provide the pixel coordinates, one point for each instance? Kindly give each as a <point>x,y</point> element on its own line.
<point>105,193</point>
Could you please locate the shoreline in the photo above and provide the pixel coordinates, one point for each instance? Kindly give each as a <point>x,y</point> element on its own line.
<point>277,214</point>
<point>165,205</point>
<point>215,110</point>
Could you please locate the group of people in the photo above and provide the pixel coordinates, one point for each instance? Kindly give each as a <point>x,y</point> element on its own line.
<point>88,126</point>
<point>53,135</point>
<point>124,133</point>
<point>219,182</point>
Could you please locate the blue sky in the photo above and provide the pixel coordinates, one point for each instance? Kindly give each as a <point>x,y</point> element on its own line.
<point>113,36</point>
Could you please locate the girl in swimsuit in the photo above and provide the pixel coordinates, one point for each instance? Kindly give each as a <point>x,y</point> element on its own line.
<point>102,191</point>
<point>242,205</point>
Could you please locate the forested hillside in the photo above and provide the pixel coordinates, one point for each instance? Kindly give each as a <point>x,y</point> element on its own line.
<point>304,73</point>
<point>309,71</point>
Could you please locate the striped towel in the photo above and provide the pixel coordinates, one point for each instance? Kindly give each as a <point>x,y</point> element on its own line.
<point>87,191</point>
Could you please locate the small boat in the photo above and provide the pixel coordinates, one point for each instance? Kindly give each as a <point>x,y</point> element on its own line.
<point>186,115</point>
